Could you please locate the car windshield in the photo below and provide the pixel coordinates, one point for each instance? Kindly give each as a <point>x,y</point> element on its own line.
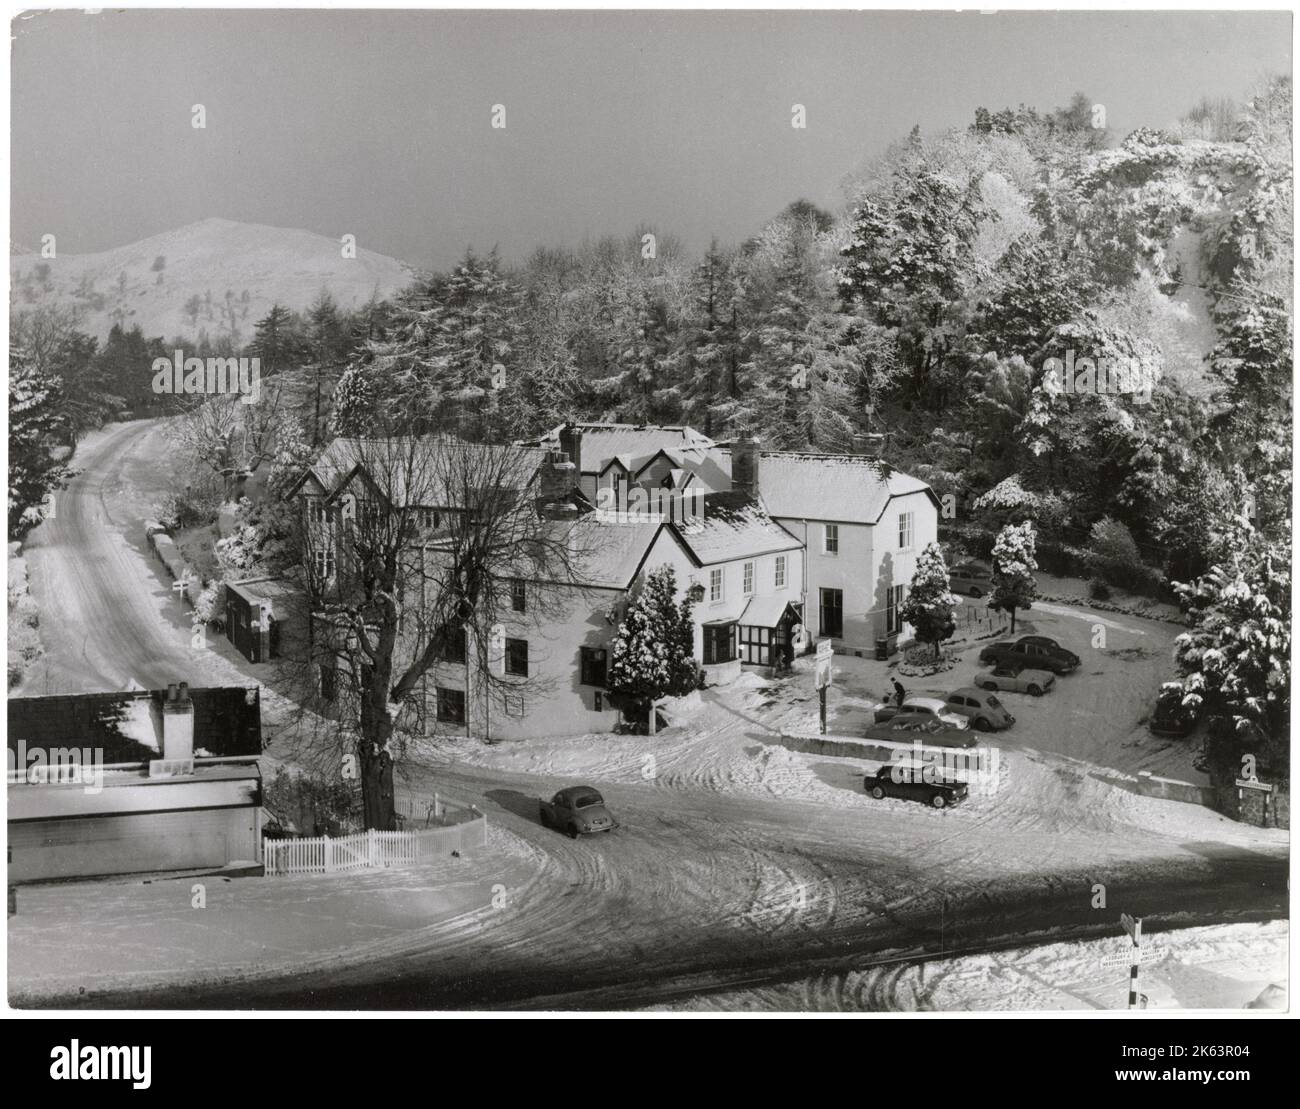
<point>587,800</point>
<point>992,702</point>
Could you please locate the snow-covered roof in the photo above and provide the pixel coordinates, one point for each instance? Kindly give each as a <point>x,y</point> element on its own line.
<point>609,555</point>
<point>733,526</point>
<point>636,445</point>
<point>846,487</point>
<point>764,612</point>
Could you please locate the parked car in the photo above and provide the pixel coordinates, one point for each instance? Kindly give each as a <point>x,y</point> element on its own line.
<point>972,578</point>
<point>914,782</point>
<point>1033,651</point>
<point>578,810</point>
<point>924,709</point>
<point>928,732</point>
<point>984,711</point>
<point>1014,678</point>
<point>1170,717</point>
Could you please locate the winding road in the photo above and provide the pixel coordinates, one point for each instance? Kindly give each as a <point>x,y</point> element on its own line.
<point>699,890</point>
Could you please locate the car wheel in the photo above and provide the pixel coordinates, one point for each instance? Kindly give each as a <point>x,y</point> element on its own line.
<point>938,800</point>
<point>989,685</point>
<point>1034,691</point>
<point>573,831</point>
<point>877,793</point>
<point>982,725</point>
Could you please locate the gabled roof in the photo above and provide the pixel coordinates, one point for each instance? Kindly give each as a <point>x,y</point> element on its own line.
<point>611,555</point>
<point>413,462</point>
<point>850,488</point>
<point>601,442</point>
<point>732,526</point>
<point>637,445</point>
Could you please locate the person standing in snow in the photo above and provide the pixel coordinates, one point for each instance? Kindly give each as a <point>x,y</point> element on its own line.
<point>899,693</point>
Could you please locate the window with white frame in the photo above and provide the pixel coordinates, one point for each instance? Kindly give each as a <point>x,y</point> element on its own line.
<point>715,585</point>
<point>749,578</point>
<point>778,579</point>
<point>904,531</point>
<point>893,618</point>
<point>831,539</point>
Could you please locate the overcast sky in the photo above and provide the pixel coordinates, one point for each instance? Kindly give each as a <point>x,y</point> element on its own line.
<point>378,124</point>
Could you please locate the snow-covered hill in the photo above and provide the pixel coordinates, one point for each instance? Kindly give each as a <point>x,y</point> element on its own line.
<point>217,275</point>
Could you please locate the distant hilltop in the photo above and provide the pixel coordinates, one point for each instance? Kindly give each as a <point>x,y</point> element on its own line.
<point>217,276</point>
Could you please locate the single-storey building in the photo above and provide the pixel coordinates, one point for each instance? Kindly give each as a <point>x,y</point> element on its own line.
<point>134,782</point>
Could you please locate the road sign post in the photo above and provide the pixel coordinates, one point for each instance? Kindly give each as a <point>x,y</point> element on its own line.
<point>1133,926</point>
<point>825,651</point>
<point>1259,787</point>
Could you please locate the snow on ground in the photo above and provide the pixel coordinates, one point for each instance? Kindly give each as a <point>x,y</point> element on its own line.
<point>118,933</point>
<point>1069,763</point>
<point>1226,966</point>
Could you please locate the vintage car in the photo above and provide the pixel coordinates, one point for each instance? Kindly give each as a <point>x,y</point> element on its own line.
<point>929,733</point>
<point>1034,651</point>
<point>1015,678</point>
<point>984,711</point>
<point>914,782</point>
<point>577,810</point>
<point>975,579</point>
<point>1171,717</point>
<point>923,709</point>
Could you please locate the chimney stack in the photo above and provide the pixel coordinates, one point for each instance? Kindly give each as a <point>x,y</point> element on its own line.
<point>744,465</point>
<point>571,445</point>
<point>559,477</point>
<point>178,723</point>
<point>869,444</point>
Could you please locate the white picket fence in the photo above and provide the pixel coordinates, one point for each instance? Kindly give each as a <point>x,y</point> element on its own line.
<point>372,849</point>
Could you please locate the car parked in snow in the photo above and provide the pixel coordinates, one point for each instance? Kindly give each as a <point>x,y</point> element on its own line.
<point>1170,717</point>
<point>984,711</point>
<point>577,810</point>
<point>1034,651</point>
<point>973,578</point>
<point>922,709</point>
<point>928,732</point>
<point>1014,678</point>
<point>914,782</point>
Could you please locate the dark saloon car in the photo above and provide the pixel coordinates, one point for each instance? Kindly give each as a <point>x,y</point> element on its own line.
<point>914,782</point>
<point>1170,717</point>
<point>1036,652</point>
<point>578,810</point>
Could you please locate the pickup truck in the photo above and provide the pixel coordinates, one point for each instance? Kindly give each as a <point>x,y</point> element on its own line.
<point>1034,652</point>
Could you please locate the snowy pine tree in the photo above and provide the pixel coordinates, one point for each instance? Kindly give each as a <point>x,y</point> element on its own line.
<point>929,604</point>
<point>1236,660</point>
<point>1014,585</point>
<point>653,654</point>
<point>36,421</point>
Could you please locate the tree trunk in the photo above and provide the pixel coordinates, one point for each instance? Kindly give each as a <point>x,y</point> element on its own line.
<point>1013,620</point>
<point>650,727</point>
<point>376,760</point>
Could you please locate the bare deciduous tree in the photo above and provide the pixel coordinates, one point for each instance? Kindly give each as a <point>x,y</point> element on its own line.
<point>414,556</point>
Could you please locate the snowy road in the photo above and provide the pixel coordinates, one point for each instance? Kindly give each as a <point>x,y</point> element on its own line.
<point>709,884</point>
